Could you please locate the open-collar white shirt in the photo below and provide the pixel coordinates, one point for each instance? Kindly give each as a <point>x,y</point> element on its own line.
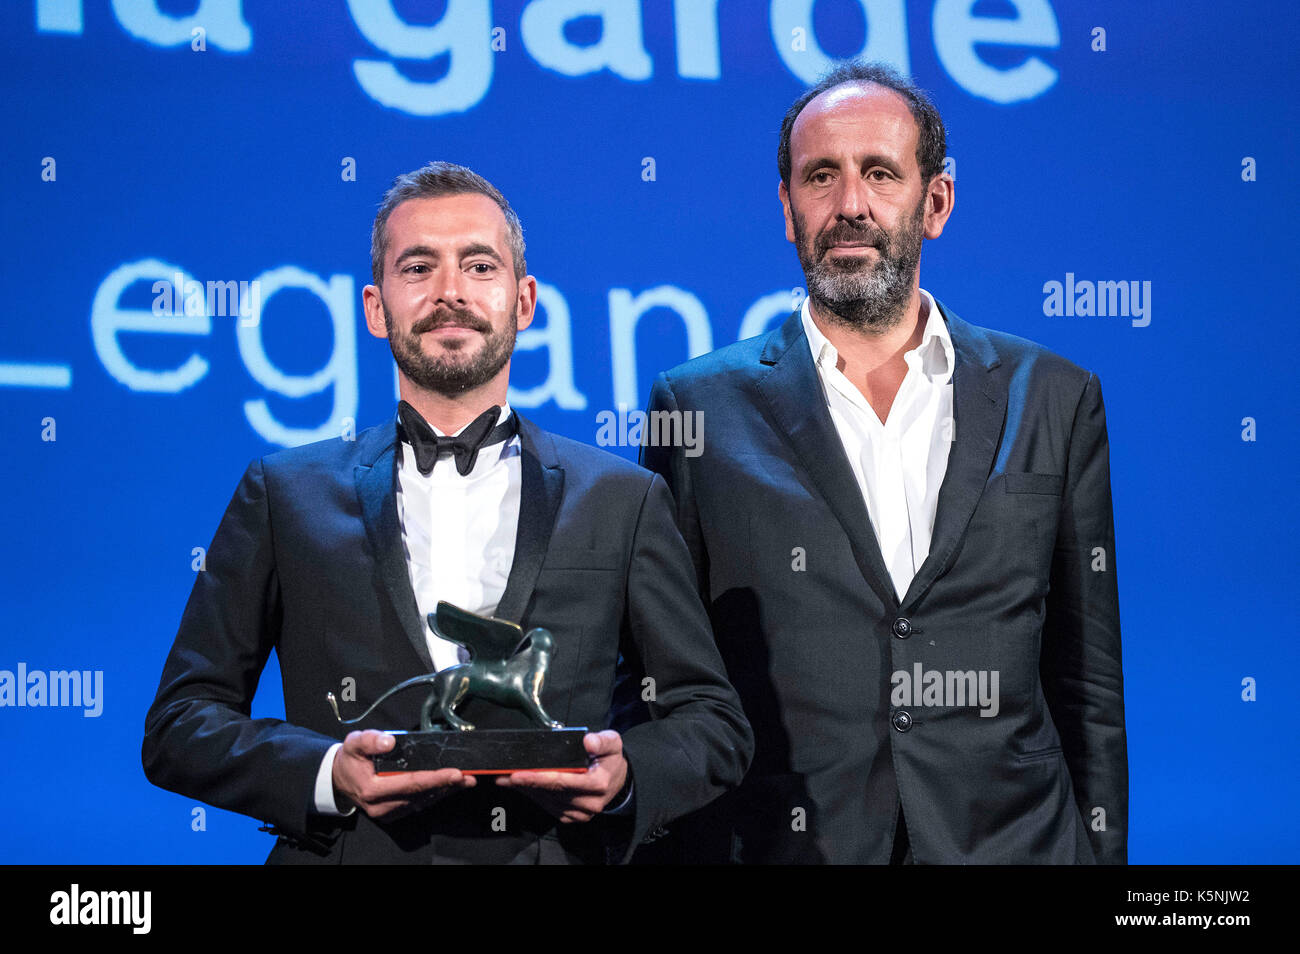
<point>899,463</point>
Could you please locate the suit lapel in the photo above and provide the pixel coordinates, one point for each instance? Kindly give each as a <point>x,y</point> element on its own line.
<point>541,488</point>
<point>979,401</point>
<point>376,479</point>
<point>794,396</point>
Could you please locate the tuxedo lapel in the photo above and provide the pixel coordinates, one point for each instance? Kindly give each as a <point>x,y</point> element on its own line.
<point>376,479</point>
<point>794,396</point>
<point>541,488</point>
<point>979,400</point>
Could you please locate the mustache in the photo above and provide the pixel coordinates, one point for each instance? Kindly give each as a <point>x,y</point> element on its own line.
<point>847,231</point>
<point>444,316</point>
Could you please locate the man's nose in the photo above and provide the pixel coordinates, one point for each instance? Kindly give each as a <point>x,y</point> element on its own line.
<point>449,287</point>
<point>854,199</point>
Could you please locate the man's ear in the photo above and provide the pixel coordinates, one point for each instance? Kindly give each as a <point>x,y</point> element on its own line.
<point>526,302</point>
<point>784,194</point>
<point>373,305</point>
<point>940,195</point>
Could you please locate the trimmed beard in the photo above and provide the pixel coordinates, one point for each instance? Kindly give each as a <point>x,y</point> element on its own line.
<point>858,294</point>
<point>449,374</point>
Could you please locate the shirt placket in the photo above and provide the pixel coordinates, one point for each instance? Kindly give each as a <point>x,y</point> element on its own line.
<point>449,518</point>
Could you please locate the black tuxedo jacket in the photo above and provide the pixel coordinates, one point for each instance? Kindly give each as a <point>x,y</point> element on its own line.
<point>309,560</point>
<point>1020,580</point>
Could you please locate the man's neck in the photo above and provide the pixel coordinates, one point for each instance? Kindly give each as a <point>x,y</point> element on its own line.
<point>449,413</point>
<point>873,360</point>
<point>867,350</point>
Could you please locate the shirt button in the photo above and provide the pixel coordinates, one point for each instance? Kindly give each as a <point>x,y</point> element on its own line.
<point>902,720</point>
<point>902,627</point>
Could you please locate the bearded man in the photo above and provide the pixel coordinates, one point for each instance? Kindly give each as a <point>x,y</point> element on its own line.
<point>334,554</point>
<point>901,524</point>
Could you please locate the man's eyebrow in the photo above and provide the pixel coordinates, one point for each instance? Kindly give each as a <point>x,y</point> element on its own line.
<point>415,251</point>
<point>478,248</point>
<point>812,165</point>
<point>875,159</point>
<point>879,159</point>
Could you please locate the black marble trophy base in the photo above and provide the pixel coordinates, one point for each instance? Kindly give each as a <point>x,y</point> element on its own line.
<point>486,751</point>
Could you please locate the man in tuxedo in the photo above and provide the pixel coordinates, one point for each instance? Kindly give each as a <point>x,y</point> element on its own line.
<point>902,525</point>
<point>334,554</point>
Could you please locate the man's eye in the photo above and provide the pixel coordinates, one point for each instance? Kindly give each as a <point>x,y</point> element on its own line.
<point>417,269</point>
<point>820,178</point>
<point>482,268</point>
<point>879,174</point>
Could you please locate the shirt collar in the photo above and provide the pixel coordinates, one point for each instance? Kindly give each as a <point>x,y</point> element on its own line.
<point>935,352</point>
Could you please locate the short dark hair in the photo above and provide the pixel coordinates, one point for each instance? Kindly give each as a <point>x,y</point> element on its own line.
<point>433,181</point>
<point>931,140</point>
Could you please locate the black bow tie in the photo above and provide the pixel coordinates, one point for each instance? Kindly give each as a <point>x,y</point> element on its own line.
<point>480,433</point>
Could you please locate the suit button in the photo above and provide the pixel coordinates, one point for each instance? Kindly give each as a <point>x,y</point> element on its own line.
<point>902,720</point>
<point>902,627</point>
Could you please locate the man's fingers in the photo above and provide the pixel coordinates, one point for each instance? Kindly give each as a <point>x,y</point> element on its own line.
<point>567,807</point>
<point>604,743</point>
<point>386,787</point>
<point>390,794</point>
<point>590,781</point>
<point>396,795</point>
<point>369,742</point>
<point>361,746</point>
<point>582,809</point>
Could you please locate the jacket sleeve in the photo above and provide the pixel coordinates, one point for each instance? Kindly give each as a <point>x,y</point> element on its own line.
<point>1080,663</point>
<point>698,743</point>
<point>199,739</point>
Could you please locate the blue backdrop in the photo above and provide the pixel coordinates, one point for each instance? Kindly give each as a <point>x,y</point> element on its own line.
<point>1112,141</point>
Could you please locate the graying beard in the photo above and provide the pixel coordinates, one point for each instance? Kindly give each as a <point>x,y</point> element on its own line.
<point>876,304</point>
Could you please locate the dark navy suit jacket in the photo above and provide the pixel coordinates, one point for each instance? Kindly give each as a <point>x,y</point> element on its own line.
<point>1020,580</point>
<point>308,560</point>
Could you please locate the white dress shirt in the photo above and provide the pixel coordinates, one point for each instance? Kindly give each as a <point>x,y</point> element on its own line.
<point>899,463</point>
<point>458,534</point>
